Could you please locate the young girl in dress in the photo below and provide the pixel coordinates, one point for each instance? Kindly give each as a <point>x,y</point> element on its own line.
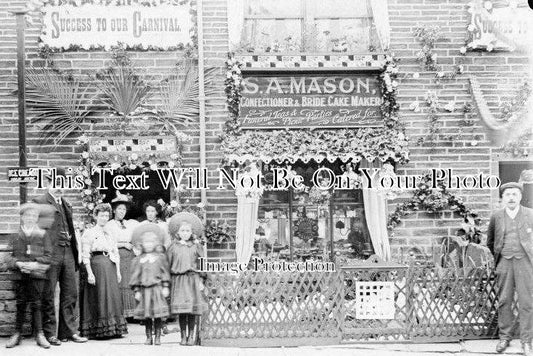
<point>150,279</point>
<point>186,298</point>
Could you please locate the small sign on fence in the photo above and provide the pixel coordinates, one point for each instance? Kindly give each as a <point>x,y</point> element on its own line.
<point>375,300</point>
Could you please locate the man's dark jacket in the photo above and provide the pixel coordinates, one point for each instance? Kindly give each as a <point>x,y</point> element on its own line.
<point>53,230</point>
<point>496,231</point>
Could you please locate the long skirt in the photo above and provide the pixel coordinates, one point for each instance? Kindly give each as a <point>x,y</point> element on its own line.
<point>186,295</point>
<point>101,314</point>
<point>152,304</point>
<point>128,297</point>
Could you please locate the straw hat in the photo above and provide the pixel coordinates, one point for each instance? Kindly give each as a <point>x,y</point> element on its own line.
<point>180,218</point>
<point>140,231</point>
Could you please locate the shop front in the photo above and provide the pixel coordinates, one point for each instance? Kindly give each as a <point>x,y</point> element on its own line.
<point>328,123</point>
<point>325,102</point>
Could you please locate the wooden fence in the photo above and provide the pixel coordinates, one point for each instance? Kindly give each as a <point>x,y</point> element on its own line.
<point>287,308</point>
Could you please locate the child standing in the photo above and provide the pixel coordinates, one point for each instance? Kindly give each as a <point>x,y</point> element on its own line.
<point>150,280</point>
<point>186,298</point>
<point>31,258</point>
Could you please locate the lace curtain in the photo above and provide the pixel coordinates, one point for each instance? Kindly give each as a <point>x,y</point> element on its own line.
<point>376,215</point>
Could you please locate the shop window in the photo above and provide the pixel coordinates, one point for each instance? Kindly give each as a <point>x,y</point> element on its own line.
<point>307,26</point>
<point>514,171</point>
<point>312,224</point>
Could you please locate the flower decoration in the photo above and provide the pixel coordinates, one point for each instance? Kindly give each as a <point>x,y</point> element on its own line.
<point>90,196</point>
<point>182,203</point>
<point>387,143</point>
<point>432,200</point>
<point>217,232</point>
<point>319,196</point>
<point>428,36</point>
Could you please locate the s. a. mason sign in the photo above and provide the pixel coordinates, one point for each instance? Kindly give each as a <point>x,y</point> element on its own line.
<point>307,100</point>
<point>89,26</point>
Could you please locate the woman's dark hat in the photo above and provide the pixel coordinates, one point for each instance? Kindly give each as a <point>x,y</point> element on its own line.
<point>139,232</point>
<point>121,199</point>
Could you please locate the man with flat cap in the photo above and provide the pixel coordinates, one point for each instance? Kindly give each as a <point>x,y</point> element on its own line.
<point>510,239</point>
<point>63,268</point>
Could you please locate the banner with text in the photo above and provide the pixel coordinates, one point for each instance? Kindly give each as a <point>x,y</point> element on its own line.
<point>87,26</point>
<point>500,25</point>
<point>300,101</point>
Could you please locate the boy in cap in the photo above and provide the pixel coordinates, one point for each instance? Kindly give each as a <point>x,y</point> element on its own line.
<point>30,259</point>
<point>510,239</point>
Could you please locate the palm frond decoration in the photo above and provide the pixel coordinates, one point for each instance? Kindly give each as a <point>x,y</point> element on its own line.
<point>61,102</point>
<point>123,91</point>
<point>180,95</point>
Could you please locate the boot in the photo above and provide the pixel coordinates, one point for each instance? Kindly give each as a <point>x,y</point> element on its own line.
<point>148,328</point>
<point>183,341</point>
<point>14,340</point>
<point>157,340</point>
<point>191,339</point>
<point>41,340</point>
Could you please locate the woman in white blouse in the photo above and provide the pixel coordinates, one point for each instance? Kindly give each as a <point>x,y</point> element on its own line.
<point>121,229</point>
<point>101,312</point>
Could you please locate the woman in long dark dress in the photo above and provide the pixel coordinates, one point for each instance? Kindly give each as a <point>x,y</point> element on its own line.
<point>101,312</point>
<point>121,229</point>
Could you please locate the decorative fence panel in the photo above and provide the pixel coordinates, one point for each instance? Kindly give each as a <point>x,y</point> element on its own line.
<point>378,329</point>
<point>287,308</point>
<point>352,305</point>
<point>452,303</point>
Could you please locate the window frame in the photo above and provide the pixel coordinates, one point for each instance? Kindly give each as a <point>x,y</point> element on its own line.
<point>307,18</point>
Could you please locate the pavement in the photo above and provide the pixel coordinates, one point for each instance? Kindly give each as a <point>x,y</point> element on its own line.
<point>132,345</point>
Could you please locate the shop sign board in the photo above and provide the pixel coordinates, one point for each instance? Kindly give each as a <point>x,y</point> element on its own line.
<point>309,101</point>
<point>21,174</point>
<point>92,25</point>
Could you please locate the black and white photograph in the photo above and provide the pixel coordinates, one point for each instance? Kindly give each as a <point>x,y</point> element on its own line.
<point>266,177</point>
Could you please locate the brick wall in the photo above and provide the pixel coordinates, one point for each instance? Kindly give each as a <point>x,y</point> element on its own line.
<point>499,74</point>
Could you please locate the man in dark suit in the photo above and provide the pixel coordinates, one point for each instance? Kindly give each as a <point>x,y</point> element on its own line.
<point>63,269</point>
<point>510,239</point>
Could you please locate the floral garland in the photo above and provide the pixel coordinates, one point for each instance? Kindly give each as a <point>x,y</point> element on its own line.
<point>387,143</point>
<point>182,203</point>
<point>433,201</point>
<point>509,111</point>
<point>427,36</point>
<point>90,196</point>
<point>45,50</point>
